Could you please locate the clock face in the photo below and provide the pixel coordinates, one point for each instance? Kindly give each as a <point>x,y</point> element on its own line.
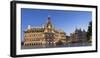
<point>49,26</point>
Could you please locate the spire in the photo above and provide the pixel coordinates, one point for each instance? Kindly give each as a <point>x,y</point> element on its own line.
<point>49,20</point>
<point>48,24</point>
<point>83,30</point>
<point>76,30</point>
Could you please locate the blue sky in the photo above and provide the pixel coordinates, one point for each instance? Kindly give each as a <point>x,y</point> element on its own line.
<point>66,20</point>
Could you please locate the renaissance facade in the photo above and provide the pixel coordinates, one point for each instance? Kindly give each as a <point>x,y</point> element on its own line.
<point>79,36</point>
<point>45,36</point>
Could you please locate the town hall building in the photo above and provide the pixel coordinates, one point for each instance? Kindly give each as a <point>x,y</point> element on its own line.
<point>45,36</point>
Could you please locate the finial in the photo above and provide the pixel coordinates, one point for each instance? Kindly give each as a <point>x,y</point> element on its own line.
<point>48,17</point>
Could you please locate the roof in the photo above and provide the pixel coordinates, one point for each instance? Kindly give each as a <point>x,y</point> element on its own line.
<point>35,30</point>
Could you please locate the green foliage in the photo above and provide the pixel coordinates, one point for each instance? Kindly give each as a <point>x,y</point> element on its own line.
<point>89,31</point>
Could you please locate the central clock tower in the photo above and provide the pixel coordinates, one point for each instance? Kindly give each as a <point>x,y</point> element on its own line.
<point>49,33</point>
<point>48,27</point>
